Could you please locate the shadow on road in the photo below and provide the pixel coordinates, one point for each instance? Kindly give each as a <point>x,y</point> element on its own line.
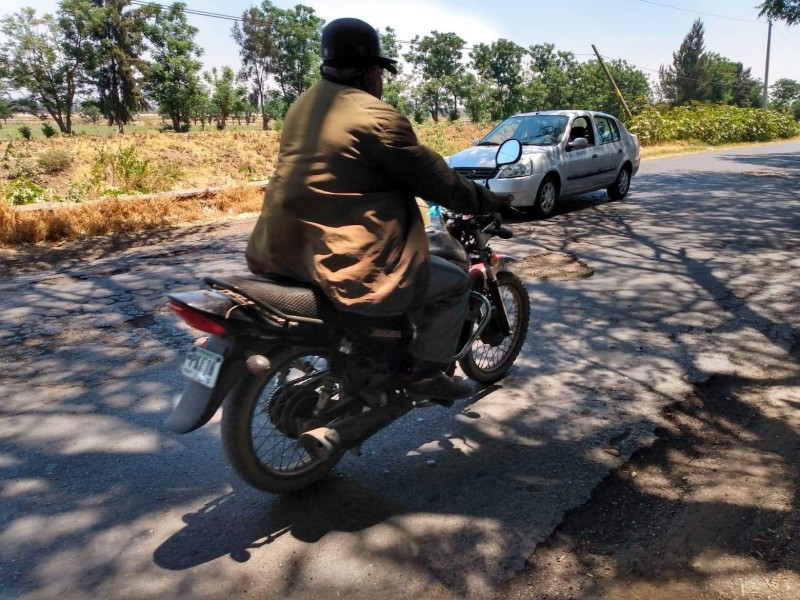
<point>682,293</point>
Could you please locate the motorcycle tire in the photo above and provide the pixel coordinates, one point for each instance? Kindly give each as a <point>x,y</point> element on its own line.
<point>262,425</point>
<point>489,359</point>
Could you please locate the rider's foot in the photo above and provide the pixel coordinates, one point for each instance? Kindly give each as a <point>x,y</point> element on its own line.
<point>430,381</point>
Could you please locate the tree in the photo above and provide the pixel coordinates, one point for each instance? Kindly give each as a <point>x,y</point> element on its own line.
<point>787,11</point>
<point>551,79</point>
<point>785,96</point>
<point>119,35</point>
<point>395,87</point>
<point>47,58</point>
<point>687,78</point>
<point>174,73</point>
<point>785,92</point>
<point>201,110</point>
<point>478,101</point>
<point>90,112</point>
<point>500,66</point>
<point>226,97</point>
<point>6,109</point>
<point>747,90</point>
<point>593,90</point>
<point>257,50</point>
<point>437,58</point>
<point>298,35</point>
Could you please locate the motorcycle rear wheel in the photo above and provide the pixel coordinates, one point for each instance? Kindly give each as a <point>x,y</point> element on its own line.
<point>488,360</point>
<point>262,425</point>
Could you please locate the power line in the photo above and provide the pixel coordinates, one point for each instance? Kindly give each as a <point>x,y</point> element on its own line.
<point>785,37</point>
<point>697,12</point>
<point>214,15</point>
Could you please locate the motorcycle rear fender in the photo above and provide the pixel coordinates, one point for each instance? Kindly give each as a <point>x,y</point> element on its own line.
<point>210,302</point>
<point>198,402</point>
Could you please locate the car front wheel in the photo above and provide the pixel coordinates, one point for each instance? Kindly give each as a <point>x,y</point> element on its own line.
<point>619,189</point>
<point>546,197</point>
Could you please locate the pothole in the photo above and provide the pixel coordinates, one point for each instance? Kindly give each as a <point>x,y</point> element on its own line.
<point>553,266</point>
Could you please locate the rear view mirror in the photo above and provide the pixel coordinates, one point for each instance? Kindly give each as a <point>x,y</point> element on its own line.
<point>509,152</point>
<point>578,144</point>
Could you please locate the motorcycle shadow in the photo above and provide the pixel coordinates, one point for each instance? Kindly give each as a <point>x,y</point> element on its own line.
<point>244,520</point>
<point>241,521</point>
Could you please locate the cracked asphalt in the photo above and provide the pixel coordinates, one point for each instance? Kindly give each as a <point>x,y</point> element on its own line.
<point>695,275</point>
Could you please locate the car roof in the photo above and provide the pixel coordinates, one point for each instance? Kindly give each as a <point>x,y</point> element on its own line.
<point>565,113</point>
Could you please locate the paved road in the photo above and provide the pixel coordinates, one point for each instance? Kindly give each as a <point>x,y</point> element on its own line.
<point>696,274</point>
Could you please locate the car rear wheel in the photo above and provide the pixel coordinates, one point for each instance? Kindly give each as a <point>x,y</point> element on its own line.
<point>545,203</point>
<point>619,189</point>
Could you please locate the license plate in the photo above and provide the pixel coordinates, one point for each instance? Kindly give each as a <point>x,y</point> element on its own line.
<point>202,366</point>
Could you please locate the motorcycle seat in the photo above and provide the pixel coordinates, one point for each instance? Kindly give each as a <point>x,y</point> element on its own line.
<point>297,300</point>
<point>291,297</point>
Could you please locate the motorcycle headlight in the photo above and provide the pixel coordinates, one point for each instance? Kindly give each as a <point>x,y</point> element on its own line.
<point>520,169</point>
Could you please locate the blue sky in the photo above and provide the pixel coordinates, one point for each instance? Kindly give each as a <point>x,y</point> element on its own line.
<point>643,32</point>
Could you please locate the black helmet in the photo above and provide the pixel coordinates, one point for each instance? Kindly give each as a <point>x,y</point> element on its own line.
<point>353,43</point>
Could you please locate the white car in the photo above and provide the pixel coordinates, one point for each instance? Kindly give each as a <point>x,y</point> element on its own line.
<point>565,153</point>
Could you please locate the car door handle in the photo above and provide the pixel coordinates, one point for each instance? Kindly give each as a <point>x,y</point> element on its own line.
<point>594,155</point>
<point>619,151</point>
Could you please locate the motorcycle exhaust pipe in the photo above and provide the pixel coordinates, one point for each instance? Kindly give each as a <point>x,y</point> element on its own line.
<point>325,442</point>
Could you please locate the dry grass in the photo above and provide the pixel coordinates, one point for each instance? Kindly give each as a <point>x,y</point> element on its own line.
<point>202,159</point>
<point>72,221</point>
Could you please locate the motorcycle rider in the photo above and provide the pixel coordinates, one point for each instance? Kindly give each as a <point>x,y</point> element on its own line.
<point>340,210</point>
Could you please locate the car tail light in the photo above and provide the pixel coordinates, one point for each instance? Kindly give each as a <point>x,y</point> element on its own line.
<point>197,320</point>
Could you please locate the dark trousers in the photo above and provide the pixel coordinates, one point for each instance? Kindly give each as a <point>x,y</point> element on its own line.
<point>443,316</point>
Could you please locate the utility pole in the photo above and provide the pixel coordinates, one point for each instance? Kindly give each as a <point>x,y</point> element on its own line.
<point>613,83</point>
<point>766,68</point>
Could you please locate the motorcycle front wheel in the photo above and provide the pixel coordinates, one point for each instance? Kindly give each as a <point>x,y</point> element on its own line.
<point>492,355</point>
<point>261,426</point>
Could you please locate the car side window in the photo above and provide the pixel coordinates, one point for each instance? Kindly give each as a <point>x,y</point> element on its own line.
<point>581,127</point>
<point>607,130</point>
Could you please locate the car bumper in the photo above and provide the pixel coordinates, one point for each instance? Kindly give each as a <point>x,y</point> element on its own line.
<point>524,189</point>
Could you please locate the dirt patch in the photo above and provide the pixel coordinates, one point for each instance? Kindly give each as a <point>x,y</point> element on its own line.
<point>554,266</point>
<point>708,512</point>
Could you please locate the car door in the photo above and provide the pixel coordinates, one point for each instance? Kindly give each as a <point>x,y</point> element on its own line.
<point>581,165</point>
<point>610,150</point>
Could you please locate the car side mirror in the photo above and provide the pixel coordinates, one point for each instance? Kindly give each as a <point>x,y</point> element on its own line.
<point>508,153</point>
<point>475,142</point>
<point>578,144</point>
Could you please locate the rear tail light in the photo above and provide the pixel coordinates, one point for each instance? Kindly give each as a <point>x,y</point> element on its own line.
<point>197,320</point>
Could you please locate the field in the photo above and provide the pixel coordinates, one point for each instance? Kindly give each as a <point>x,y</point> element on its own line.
<point>98,181</point>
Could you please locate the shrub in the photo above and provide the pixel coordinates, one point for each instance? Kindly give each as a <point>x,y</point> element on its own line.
<point>25,132</point>
<point>55,160</point>
<point>24,191</point>
<point>712,124</point>
<point>123,172</point>
<point>48,130</point>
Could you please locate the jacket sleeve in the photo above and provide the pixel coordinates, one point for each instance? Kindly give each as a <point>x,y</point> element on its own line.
<point>396,151</point>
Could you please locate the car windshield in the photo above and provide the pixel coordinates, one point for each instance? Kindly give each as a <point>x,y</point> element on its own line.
<point>531,130</point>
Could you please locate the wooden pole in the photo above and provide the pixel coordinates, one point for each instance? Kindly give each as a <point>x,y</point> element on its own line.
<point>766,68</point>
<point>613,83</point>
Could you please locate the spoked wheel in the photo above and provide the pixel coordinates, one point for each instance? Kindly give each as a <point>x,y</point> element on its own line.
<point>261,427</point>
<point>492,355</point>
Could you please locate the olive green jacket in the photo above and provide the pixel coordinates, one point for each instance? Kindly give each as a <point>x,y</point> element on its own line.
<point>340,209</point>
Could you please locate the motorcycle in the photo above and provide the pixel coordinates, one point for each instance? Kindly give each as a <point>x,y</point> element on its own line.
<point>301,383</point>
